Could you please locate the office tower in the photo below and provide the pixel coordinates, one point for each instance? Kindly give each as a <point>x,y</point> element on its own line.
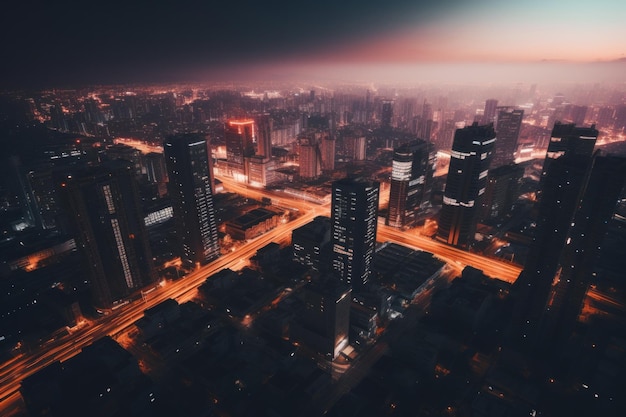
<point>489,115</point>
<point>310,158</point>
<point>189,186</point>
<point>264,136</point>
<point>43,193</point>
<point>154,166</point>
<point>577,114</point>
<point>127,153</point>
<point>240,137</point>
<point>425,127</point>
<point>467,179</point>
<point>595,205</point>
<point>104,212</point>
<point>567,139</point>
<point>355,145</point>
<point>501,192</point>
<point>386,115</point>
<point>324,322</point>
<point>412,171</point>
<point>308,242</point>
<point>508,126</point>
<point>354,211</point>
<point>579,193</point>
<point>328,153</point>
<point>261,170</point>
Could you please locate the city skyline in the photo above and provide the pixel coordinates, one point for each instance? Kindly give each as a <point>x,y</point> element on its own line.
<point>485,41</point>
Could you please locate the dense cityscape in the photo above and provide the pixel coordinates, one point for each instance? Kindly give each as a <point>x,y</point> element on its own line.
<point>190,250</point>
<point>336,209</point>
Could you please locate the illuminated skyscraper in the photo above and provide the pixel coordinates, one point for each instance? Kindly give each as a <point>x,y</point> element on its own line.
<point>104,212</point>
<point>467,178</point>
<point>240,136</point>
<point>354,214</point>
<point>189,187</point>
<point>412,172</point>
<point>508,126</point>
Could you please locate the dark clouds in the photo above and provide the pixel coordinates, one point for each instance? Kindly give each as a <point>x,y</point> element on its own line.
<point>49,43</point>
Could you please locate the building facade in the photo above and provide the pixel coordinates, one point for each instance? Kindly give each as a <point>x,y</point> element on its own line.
<point>354,211</point>
<point>466,183</point>
<point>189,186</point>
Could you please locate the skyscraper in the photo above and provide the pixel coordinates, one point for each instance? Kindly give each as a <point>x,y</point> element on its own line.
<point>467,178</point>
<point>567,139</point>
<point>386,115</point>
<point>412,172</point>
<point>264,136</point>
<point>508,126</point>
<point>240,136</point>
<point>192,197</point>
<point>595,205</point>
<point>310,158</point>
<point>104,212</point>
<point>578,197</point>
<point>489,115</point>
<point>324,322</point>
<point>354,212</point>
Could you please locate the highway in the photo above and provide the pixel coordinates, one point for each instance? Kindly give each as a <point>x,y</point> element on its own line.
<point>14,371</point>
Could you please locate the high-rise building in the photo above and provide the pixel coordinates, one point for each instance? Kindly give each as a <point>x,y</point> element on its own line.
<point>324,322</point>
<point>104,212</point>
<point>309,158</point>
<point>328,153</point>
<point>502,190</point>
<point>354,210</point>
<point>575,271</point>
<point>240,136</point>
<point>489,115</point>
<point>308,242</point>
<point>508,127</point>
<point>567,139</point>
<point>190,189</point>
<point>578,197</point>
<point>264,136</point>
<point>467,179</point>
<point>386,115</point>
<point>412,171</point>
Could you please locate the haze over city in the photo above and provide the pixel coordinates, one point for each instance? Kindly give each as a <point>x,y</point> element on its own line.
<point>401,41</point>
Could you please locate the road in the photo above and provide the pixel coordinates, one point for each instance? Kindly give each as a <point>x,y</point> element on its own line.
<point>14,371</point>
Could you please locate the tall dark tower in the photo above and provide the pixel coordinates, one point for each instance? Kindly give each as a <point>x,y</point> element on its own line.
<point>264,136</point>
<point>386,115</point>
<point>354,214</point>
<point>567,139</point>
<point>411,174</point>
<point>104,212</point>
<point>489,115</point>
<point>595,206</point>
<point>508,126</point>
<point>467,178</point>
<point>189,187</point>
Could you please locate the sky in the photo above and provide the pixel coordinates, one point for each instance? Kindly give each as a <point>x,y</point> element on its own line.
<point>65,42</point>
